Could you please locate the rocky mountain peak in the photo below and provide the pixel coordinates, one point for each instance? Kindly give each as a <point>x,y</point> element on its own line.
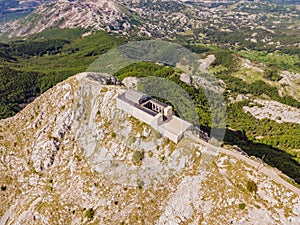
<point>99,14</point>
<point>72,157</point>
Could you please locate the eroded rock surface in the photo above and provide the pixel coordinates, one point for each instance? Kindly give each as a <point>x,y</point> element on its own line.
<point>71,150</point>
<point>274,110</point>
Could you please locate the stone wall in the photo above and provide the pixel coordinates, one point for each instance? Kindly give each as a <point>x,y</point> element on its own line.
<point>137,113</point>
<point>168,129</point>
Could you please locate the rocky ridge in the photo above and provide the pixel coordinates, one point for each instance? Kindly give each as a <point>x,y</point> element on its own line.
<point>99,14</point>
<point>152,18</point>
<point>68,158</point>
<point>273,110</point>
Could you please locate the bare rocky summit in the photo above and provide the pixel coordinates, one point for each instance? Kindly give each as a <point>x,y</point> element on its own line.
<point>68,158</point>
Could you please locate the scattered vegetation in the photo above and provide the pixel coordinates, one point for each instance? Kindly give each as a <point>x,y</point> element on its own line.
<point>251,186</point>
<point>3,188</point>
<point>90,213</point>
<point>137,157</point>
<point>131,139</point>
<point>271,73</point>
<point>140,184</point>
<point>242,206</point>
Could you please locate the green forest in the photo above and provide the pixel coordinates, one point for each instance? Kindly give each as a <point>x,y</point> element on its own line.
<point>30,67</point>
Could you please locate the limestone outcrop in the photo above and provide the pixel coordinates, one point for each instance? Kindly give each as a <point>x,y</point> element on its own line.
<point>67,158</point>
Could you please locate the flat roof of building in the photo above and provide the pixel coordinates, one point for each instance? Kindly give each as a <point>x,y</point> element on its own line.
<point>135,96</point>
<point>175,125</point>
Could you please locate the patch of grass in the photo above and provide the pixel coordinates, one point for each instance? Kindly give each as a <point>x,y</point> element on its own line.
<point>90,213</point>
<point>281,61</point>
<point>251,186</point>
<point>131,139</point>
<point>249,75</point>
<point>66,34</point>
<point>242,206</point>
<point>137,157</point>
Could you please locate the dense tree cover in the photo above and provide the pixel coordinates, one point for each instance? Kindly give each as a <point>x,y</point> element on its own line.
<point>15,88</point>
<point>224,58</point>
<point>5,54</point>
<point>144,69</point>
<point>197,48</point>
<point>290,50</point>
<point>29,68</point>
<point>275,157</point>
<point>277,135</point>
<point>36,48</point>
<point>19,87</point>
<point>265,139</point>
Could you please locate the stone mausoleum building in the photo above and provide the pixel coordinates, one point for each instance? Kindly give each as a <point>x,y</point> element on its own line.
<point>154,113</point>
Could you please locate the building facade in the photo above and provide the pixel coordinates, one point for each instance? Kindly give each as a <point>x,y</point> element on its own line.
<point>154,113</point>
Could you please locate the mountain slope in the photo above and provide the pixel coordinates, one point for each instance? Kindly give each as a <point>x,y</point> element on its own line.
<point>259,24</point>
<point>65,14</point>
<point>67,158</point>
<point>12,9</point>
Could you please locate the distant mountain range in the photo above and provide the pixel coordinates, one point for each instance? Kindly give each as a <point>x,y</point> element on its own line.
<point>13,9</point>
<point>21,6</point>
<point>164,19</point>
<point>9,6</point>
<point>72,157</point>
<point>285,1</point>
